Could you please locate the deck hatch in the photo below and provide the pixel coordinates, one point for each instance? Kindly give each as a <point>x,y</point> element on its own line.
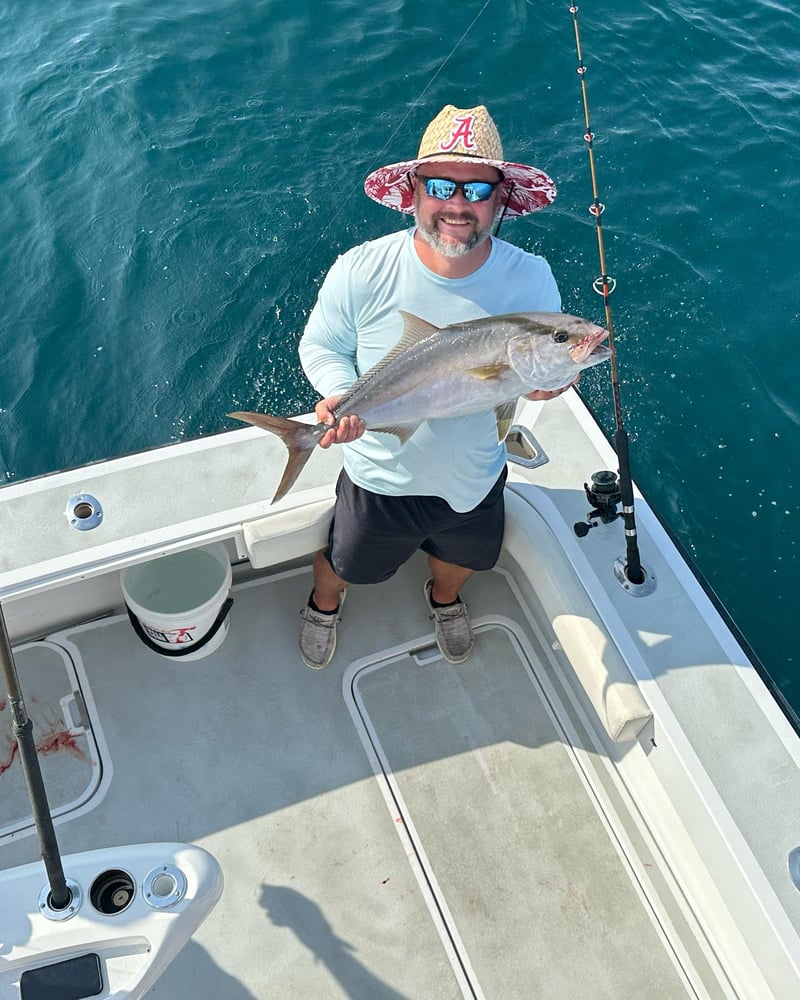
<point>513,849</point>
<point>64,735</point>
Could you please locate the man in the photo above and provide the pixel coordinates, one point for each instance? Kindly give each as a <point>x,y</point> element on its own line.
<point>441,491</point>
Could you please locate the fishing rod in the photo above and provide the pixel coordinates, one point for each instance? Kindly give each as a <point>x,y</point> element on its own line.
<point>602,490</point>
<point>60,893</point>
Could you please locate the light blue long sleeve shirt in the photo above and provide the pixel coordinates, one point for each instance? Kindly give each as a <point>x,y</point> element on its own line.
<point>356,321</point>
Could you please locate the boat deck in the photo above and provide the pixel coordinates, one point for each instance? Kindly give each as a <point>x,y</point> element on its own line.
<point>393,826</point>
<point>603,798</point>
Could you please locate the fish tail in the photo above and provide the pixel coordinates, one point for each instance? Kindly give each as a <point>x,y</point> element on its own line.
<point>300,440</point>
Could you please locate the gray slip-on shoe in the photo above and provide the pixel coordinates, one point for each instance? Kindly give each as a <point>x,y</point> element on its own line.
<point>451,626</point>
<point>318,635</point>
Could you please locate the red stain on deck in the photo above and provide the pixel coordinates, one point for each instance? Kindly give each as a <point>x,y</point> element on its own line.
<point>52,742</point>
<point>57,740</point>
<point>6,764</point>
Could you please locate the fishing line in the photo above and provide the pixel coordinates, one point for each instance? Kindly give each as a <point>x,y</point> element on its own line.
<point>349,197</point>
<point>604,286</point>
<point>430,82</point>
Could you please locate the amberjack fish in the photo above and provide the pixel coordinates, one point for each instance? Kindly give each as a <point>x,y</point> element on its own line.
<point>452,371</point>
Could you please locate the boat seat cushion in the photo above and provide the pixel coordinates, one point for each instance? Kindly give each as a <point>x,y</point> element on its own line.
<point>288,534</point>
<point>594,658</point>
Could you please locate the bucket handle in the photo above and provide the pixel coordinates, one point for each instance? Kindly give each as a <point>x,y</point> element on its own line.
<point>189,647</point>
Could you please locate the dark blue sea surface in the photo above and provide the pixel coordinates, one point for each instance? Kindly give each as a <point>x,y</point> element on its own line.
<point>177,178</point>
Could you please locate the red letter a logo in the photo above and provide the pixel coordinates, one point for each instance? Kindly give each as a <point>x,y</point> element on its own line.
<point>462,132</point>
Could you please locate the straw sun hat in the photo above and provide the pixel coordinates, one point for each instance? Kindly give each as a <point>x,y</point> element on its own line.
<point>463,135</point>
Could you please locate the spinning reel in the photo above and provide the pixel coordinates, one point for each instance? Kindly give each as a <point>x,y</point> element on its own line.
<point>603,495</point>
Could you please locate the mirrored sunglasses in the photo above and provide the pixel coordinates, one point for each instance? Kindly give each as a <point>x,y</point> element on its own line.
<point>444,189</point>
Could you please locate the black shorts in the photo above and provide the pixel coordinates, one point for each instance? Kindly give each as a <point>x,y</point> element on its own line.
<point>372,535</point>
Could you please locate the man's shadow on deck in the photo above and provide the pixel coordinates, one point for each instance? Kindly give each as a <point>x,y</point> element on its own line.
<point>287,908</point>
<point>194,973</point>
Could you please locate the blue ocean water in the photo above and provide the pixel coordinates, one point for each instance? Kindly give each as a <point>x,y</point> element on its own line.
<point>177,179</point>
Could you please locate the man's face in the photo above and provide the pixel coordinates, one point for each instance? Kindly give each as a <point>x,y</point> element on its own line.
<point>454,227</point>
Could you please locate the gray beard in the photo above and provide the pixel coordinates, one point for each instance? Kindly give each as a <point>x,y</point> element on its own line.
<point>451,249</point>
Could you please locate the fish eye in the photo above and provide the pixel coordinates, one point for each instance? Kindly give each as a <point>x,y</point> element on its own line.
<point>560,336</point>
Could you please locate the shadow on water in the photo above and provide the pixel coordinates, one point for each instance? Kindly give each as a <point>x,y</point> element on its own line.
<point>288,908</point>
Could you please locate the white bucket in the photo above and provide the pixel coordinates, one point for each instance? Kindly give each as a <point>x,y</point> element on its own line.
<point>175,601</point>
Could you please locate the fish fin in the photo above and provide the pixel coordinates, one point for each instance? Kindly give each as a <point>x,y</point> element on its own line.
<point>486,372</point>
<point>403,433</point>
<point>414,331</point>
<point>299,438</point>
<point>504,415</point>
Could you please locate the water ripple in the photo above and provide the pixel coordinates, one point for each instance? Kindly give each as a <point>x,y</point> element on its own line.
<point>179,178</point>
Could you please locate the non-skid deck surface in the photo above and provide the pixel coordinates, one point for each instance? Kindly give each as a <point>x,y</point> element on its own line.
<point>505,883</point>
